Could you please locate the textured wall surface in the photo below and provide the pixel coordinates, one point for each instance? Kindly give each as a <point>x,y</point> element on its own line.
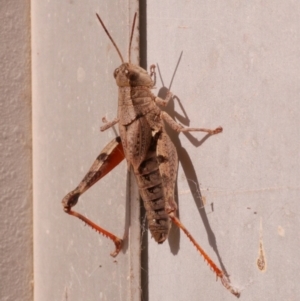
<point>15,155</point>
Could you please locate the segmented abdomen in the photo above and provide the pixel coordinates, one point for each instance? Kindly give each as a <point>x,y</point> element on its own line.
<point>151,190</point>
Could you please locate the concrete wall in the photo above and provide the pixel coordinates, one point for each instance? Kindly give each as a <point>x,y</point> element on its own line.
<point>16,266</point>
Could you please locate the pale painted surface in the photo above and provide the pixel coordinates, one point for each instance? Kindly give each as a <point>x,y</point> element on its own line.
<point>16,266</point>
<point>239,69</point>
<point>73,88</point>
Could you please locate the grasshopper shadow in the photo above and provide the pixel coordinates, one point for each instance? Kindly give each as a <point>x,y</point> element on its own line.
<point>190,174</point>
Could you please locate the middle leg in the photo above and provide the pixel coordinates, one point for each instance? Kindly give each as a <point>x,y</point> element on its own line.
<point>179,128</point>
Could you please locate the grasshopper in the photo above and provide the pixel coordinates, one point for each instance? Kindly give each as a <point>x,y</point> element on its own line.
<point>149,153</point>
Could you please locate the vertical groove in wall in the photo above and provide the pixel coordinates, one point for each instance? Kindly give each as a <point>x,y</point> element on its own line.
<point>144,229</point>
<point>143,33</point>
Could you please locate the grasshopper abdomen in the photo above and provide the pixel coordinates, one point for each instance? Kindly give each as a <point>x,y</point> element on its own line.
<point>151,190</point>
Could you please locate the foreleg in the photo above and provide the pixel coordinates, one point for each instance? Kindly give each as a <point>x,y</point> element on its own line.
<point>108,124</point>
<point>163,102</point>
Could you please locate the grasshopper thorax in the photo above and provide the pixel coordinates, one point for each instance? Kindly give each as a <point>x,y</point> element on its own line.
<point>130,75</point>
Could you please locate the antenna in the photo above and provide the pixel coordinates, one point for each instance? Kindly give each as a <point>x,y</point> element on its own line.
<point>120,55</point>
<point>131,36</point>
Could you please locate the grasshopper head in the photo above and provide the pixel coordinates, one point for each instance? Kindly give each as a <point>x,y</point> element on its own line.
<point>129,75</point>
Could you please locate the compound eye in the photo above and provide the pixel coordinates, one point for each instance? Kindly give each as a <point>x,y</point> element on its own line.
<point>116,72</point>
<point>133,76</point>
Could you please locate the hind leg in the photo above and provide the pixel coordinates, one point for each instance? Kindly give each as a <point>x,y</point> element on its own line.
<point>109,158</point>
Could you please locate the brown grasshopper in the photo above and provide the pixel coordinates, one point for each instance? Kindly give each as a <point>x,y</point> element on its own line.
<point>149,152</point>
